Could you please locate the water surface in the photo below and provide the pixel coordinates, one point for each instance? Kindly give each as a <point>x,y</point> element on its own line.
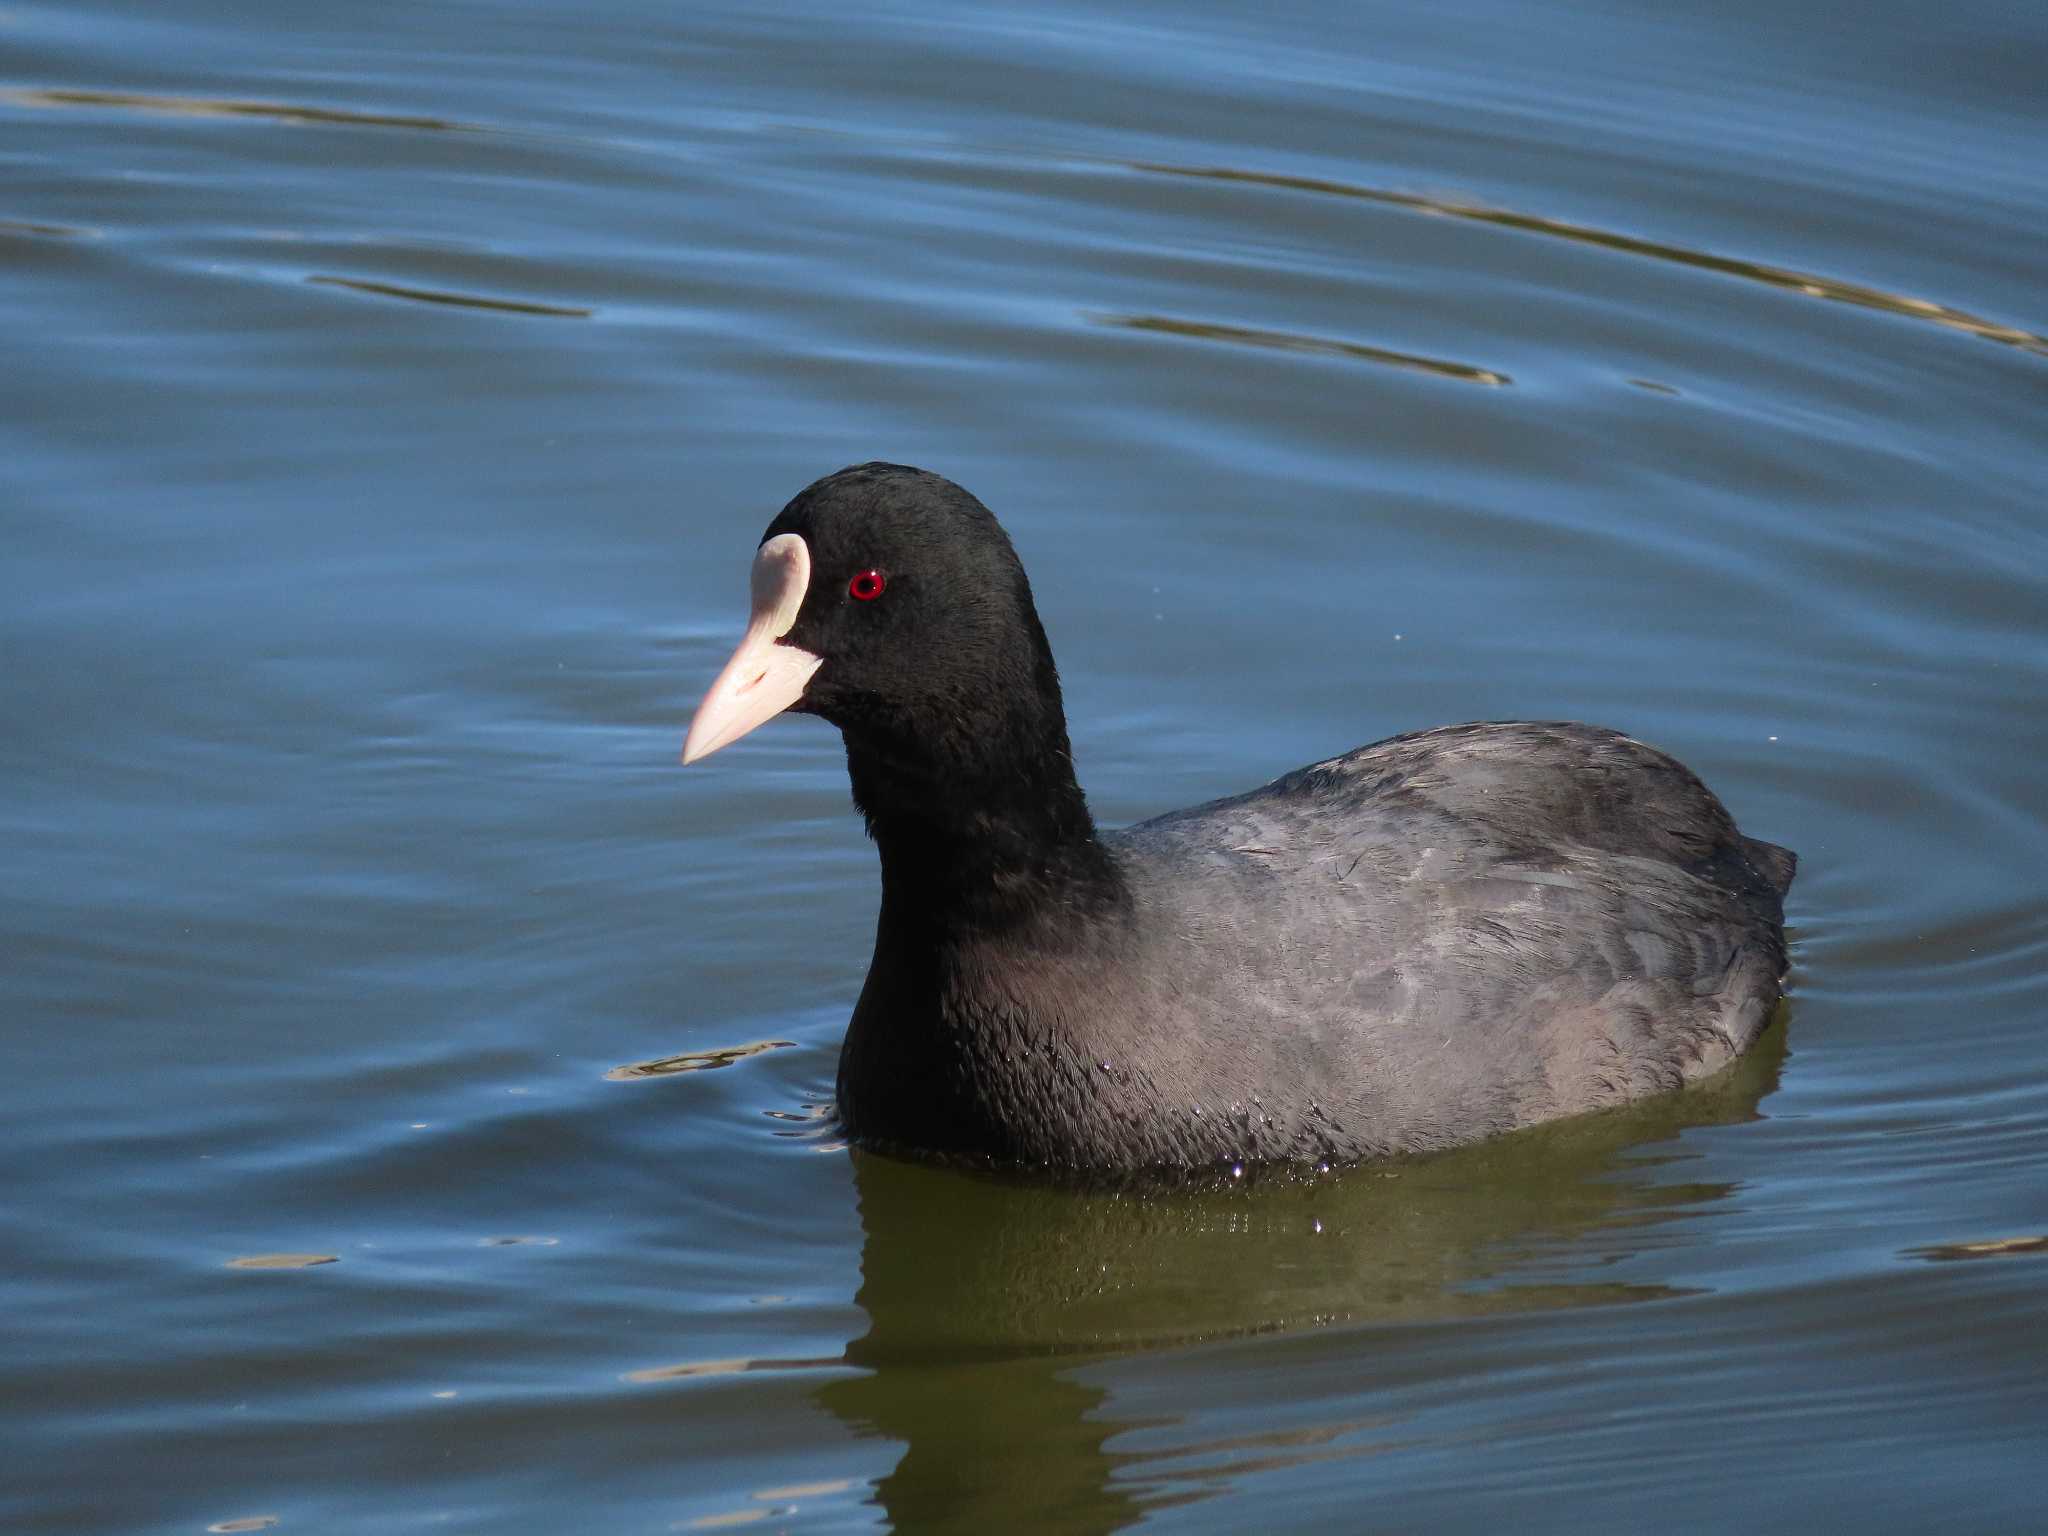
<point>419,1084</point>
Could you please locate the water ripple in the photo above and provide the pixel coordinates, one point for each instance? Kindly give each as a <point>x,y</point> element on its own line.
<point>1990,1248</point>
<point>1289,341</point>
<point>219,106</point>
<point>444,296</point>
<point>691,1369</point>
<point>694,1061</point>
<point>49,231</point>
<point>1811,284</point>
<point>282,1260</point>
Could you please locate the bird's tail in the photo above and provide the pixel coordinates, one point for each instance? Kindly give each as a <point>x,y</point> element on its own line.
<point>1775,864</point>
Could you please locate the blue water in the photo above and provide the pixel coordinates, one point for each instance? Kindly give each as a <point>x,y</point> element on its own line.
<point>396,395</point>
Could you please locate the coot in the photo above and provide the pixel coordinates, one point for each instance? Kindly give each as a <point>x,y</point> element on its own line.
<point>1426,941</point>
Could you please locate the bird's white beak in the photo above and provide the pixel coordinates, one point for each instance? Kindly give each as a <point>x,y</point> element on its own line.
<point>766,674</point>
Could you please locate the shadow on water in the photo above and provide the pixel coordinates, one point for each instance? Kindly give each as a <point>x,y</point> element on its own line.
<point>983,1297</point>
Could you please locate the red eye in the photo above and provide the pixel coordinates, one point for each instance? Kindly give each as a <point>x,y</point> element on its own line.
<point>867,586</point>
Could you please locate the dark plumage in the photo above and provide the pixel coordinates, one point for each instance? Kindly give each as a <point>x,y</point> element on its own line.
<point>1426,941</point>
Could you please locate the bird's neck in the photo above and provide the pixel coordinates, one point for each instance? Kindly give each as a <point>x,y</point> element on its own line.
<point>1000,909</point>
<point>985,843</point>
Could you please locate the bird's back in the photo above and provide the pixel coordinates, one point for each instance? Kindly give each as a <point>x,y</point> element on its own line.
<point>1440,937</point>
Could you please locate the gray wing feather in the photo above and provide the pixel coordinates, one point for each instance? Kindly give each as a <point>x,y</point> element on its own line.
<point>1451,934</point>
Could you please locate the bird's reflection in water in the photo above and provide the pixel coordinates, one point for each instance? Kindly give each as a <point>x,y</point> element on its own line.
<point>984,1297</point>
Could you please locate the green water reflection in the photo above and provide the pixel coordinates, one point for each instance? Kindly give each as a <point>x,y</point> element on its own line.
<point>983,1297</point>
